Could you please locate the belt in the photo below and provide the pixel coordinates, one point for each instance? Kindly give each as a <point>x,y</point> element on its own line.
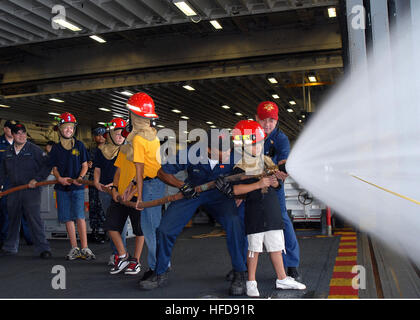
<point>148,178</point>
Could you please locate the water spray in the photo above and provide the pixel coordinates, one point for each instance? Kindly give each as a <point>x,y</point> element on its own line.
<point>360,152</point>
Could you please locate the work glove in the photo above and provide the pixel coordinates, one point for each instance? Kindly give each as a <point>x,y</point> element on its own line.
<point>224,186</point>
<point>189,191</point>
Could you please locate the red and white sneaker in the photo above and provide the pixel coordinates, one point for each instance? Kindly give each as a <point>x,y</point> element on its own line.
<point>133,267</point>
<point>119,264</point>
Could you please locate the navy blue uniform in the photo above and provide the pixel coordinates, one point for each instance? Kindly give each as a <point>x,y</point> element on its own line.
<point>4,144</point>
<point>18,169</point>
<point>178,213</point>
<point>277,147</point>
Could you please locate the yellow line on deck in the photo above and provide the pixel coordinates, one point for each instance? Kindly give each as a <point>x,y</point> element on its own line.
<point>342,269</point>
<point>341,282</point>
<point>389,191</point>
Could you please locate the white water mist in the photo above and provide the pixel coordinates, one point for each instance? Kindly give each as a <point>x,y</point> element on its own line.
<point>369,128</point>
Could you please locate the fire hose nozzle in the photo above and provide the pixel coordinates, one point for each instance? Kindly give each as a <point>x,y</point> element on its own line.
<point>282,167</point>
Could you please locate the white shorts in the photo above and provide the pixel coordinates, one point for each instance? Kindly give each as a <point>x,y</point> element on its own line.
<point>273,241</point>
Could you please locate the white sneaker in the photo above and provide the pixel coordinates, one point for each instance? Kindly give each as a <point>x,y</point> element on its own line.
<point>87,254</point>
<point>119,264</point>
<point>251,289</point>
<point>133,267</point>
<point>74,254</point>
<point>289,283</point>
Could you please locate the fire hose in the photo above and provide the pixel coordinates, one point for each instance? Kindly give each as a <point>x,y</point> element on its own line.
<point>147,204</point>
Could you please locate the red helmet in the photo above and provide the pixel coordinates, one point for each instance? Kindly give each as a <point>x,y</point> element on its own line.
<point>248,132</point>
<point>66,117</point>
<point>142,105</point>
<point>268,109</point>
<point>117,123</point>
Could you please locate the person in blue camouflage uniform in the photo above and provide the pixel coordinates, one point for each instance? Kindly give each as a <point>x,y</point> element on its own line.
<point>96,213</point>
<point>277,147</point>
<point>24,163</point>
<point>6,140</point>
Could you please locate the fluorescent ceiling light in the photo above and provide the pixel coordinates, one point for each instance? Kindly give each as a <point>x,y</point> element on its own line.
<point>160,126</point>
<point>312,78</point>
<point>272,80</point>
<point>275,96</point>
<point>105,109</point>
<point>176,111</point>
<point>66,24</point>
<point>56,100</point>
<point>118,116</point>
<point>292,102</point>
<point>238,114</point>
<point>53,113</point>
<point>4,106</point>
<point>209,122</point>
<point>102,123</point>
<point>332,12</point>
<point>185,117</point>
<point>188,87</point>
<point>225,107</point>
<point>185,8</point>
<point>213,127</point>
<point>127,93</point>
<point>216,24</point>
<point>97,38</point>
<point>290,110</point>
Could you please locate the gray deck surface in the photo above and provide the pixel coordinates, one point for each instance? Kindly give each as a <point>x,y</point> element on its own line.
<point>199,269</point>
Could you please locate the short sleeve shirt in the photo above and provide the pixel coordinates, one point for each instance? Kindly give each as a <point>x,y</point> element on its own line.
<point>68,162</point>
<point>262,210</point>
<point>147,152</point>
<point>107,167</point>
<point>127,172</point>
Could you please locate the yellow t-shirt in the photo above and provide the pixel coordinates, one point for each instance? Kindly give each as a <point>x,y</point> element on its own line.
<point>147,152</point>
<point>127,172</point>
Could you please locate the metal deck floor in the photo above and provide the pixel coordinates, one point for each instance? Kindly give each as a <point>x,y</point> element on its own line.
<point>199,267</point>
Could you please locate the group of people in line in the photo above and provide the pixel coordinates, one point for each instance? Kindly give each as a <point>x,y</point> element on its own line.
<point>127,167</point>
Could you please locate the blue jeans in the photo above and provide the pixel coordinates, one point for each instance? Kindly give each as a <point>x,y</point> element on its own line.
<point>105,199</point>
<point>70,205</point>
<point>180,212</point>
<point>150,217</point>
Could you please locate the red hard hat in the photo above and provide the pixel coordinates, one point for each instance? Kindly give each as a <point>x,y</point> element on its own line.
<point>117,123</point>
<point>142,105</point>
<point>247,131</point>
<point>268,109</point>
<point>66,117</point>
